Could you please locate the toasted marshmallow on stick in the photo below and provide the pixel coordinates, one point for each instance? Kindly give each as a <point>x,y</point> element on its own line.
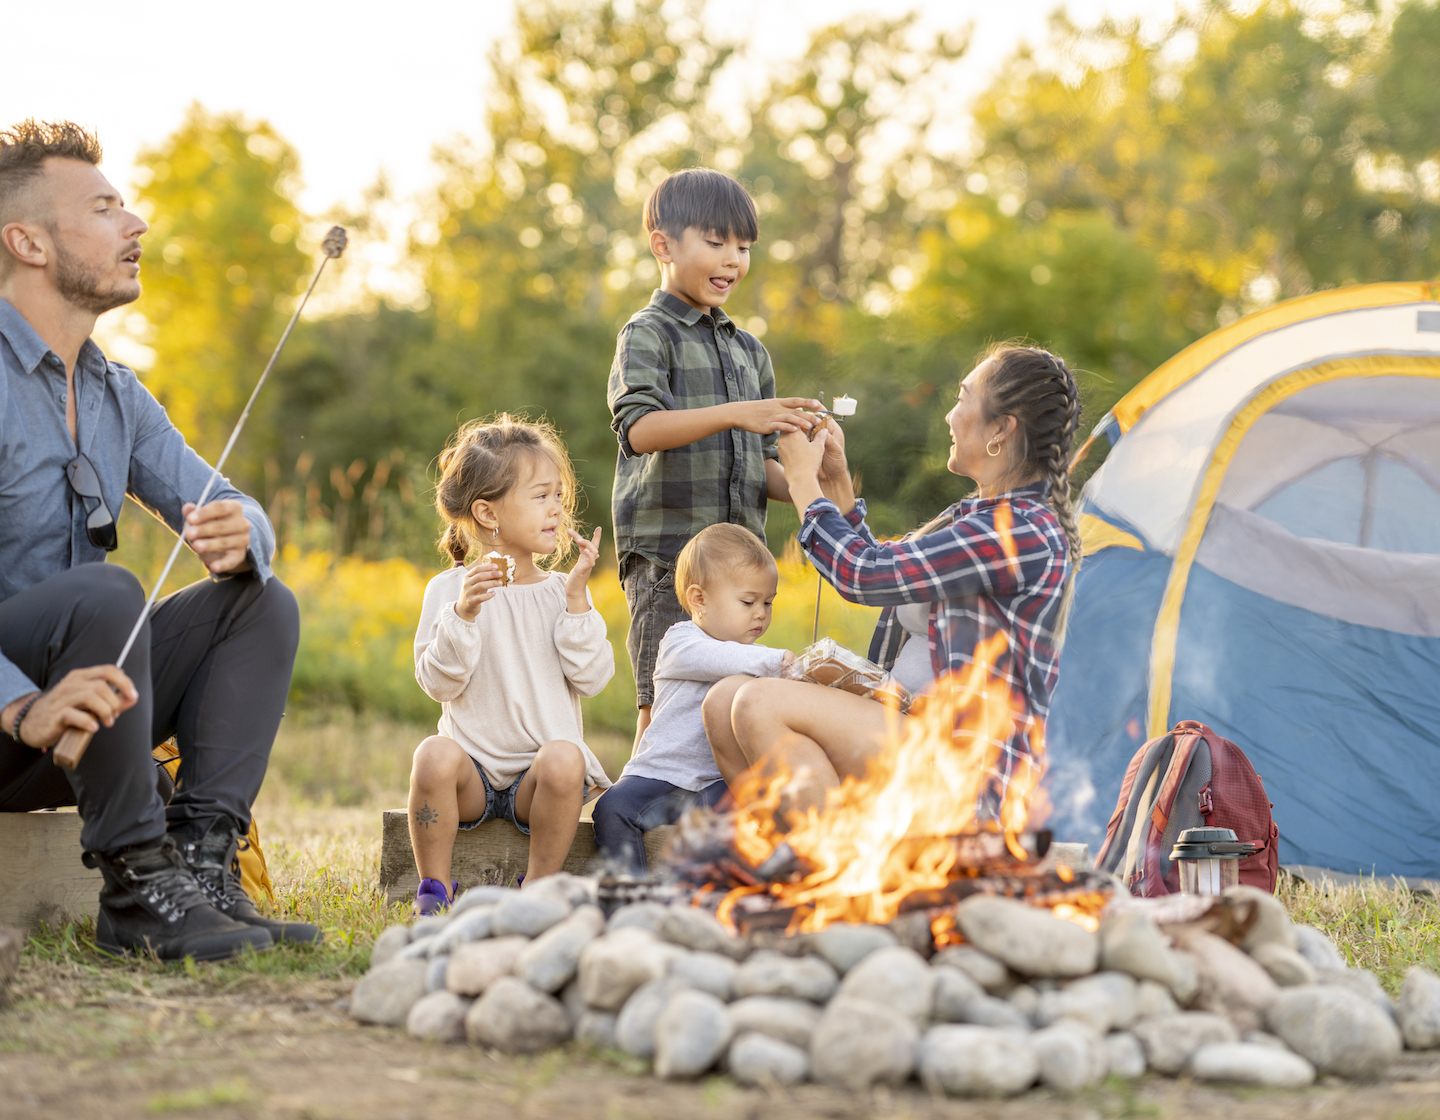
<point>506,564</point>
<point>843,406</point>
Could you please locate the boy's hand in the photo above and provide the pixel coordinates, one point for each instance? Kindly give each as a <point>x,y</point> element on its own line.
<point>786,660</point>
<point>481,580</point>
<point>575,600</point>
<point>782,414</point>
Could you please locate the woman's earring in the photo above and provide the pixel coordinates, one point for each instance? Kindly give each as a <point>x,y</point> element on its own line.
<point>495,534</point>
<point>993,448</point>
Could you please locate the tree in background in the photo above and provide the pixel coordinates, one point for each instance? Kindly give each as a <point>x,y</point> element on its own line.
<point>221,269</point>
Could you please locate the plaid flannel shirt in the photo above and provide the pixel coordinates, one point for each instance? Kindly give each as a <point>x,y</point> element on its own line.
<point>973,588</point>
<point>671,355</point>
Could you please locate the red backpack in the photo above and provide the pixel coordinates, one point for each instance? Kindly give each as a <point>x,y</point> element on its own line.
<point>1188,778</point>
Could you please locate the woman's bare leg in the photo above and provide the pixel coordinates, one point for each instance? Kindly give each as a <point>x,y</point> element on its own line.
<point>548,800</point>
<point>445,789</point>
<point>819,735</point>
<point>729,756</point>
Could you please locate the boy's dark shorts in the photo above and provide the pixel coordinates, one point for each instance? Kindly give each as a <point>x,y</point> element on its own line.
<point>499,803</point>
<point>650,595</point>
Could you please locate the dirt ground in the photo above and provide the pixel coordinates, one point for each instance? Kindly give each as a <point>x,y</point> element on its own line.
<point>278,1048</point>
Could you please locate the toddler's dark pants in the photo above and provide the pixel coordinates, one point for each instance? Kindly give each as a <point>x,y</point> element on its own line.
<point>212,666</point>
<point>633,806</point>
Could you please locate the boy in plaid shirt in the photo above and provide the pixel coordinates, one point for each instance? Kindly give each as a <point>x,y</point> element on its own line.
<point>692,400</point>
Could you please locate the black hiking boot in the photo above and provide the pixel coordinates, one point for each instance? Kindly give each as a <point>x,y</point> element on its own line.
<point>215,860</point>
<point>152,902</point>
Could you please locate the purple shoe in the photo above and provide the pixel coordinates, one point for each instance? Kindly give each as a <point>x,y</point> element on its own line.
<point>432,898</point>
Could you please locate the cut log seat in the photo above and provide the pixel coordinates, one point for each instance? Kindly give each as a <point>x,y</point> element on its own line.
<point>495,852</point>
<point>42,880</point>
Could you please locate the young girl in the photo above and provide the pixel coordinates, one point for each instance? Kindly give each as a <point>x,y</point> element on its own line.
<point>508,648</point>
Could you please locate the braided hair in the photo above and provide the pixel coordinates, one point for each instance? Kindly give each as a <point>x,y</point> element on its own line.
<point>1040,391</point>
<point>486,460</point>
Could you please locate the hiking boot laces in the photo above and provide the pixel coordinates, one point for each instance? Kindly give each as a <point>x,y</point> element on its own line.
<point>217,874</point>
<point>168,891</point>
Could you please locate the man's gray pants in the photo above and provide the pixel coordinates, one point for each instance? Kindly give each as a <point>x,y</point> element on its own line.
<point>212,666</point>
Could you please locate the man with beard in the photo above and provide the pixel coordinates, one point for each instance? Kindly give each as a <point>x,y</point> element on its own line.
<point>212,663</point>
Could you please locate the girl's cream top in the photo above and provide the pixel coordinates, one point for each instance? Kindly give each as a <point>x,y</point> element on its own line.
<point>511,681</point>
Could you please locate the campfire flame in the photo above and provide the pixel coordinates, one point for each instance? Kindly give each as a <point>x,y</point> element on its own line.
<point>880,838</point>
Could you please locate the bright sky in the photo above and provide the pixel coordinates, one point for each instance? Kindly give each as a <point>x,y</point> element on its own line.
<point>368,86</point>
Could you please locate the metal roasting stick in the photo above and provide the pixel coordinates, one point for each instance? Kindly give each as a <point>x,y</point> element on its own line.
<point>71,747</point>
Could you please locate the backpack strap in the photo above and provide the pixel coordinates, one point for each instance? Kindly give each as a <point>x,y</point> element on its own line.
<point>1156,865</point>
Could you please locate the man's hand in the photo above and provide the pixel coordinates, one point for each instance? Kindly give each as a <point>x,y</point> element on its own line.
<point>219,534</point>
<point>781,414</point>
<point>84,699</point>
<point>481,579</point>
<point>575,601</point>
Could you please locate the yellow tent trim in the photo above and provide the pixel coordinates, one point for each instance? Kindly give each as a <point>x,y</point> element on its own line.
<point>1167,623</point>
<point>254,874</point>
<point>1096,534</point>
<point>1200,354</point>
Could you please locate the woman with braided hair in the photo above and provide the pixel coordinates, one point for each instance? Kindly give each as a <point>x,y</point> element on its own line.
<point>1001,560</point>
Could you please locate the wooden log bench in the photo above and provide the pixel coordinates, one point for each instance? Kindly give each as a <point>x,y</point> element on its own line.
<point>42,880</point>
<point>495,852</point>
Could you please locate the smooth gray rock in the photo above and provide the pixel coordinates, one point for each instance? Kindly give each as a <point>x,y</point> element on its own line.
<point>1153,998</point>
<point>478,964</point>
<point>1264,1038</point>
<point>845,945</point>
<point>1361,981</point>
<point>990,973</point>
<point>1170,1040</point>
<point>527,914</point>
<point>550,961</point>
<point>435,974</point>
<point>613,966</point>
<point>486,894</point>
<point>642,915</point>
<point>691,1034</point>
<point>758,1059</point>
<point>1231,982</point>
<point>895,977</point>
<point>418,949</point>
<point>1105,1001</point>
<point>1242,1063</point>
<point>789,1020</point>
<point>391,940</point>
<point>999,1014</point>
<point>428,926</point>
<point>1124,1055</point>
<point>768,973</point>
<point>473,925</point>
<point>1336,1029</point>
<point>597,1029</point>
<point>635,1025</point>
<point>573,1001</point>
<point>857,1044</point>
<point>954,990</point>
<point>706,972</point>
<point>1072,1055</point>
<point>1418,1009</point>
<point>976,1061</point>
<point>1025,998</point>
<point>1318,949</point>
<point>576,890</point>
<point>1030,940</point>
<point>514,1018</point>
<point>1272,924</point>
<point>700,930</point>
<point>386,994</point>
<point>1132,943</point>
<point>438,1017</point>
<point>1285,966</point>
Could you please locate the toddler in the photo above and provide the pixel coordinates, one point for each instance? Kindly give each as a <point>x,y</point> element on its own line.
<point>725,579</point>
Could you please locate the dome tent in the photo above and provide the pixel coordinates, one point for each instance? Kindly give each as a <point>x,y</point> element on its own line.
<point>1262,553</point>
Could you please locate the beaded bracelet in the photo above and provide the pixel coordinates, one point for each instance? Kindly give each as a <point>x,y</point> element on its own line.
<point>19,719</point>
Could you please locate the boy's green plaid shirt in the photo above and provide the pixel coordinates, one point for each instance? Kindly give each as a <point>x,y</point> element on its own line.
<point>671,355</point>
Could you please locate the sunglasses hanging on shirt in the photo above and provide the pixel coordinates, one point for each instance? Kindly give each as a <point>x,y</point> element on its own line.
<point>99,525</point>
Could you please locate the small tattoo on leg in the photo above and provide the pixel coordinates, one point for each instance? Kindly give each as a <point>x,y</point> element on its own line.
<point>426,816</point>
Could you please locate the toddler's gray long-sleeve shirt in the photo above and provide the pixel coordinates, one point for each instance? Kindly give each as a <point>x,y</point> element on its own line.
<point>674,748</point>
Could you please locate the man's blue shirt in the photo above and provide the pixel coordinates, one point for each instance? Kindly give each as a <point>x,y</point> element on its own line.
<point>122,430</point>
